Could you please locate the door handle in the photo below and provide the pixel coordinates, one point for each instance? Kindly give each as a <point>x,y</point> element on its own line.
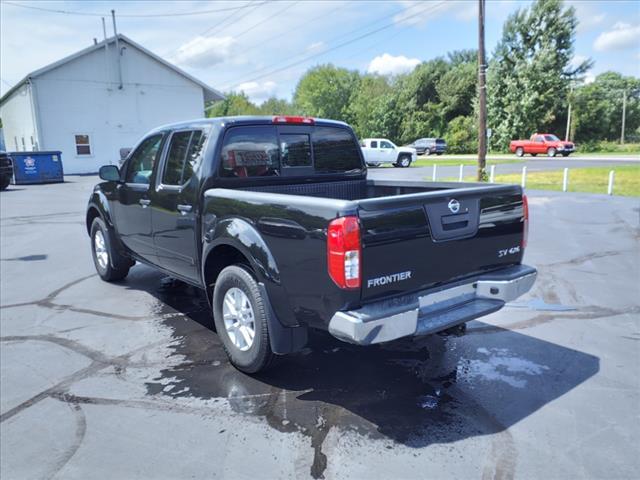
<point>184,209</point>
<point>144,202</point>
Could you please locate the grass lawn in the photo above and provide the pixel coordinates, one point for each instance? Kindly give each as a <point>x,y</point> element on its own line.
<point>588,180</point>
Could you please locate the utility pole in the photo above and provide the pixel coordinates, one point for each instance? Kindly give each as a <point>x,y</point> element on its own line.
<point>624,115</point>
<point>566,135</point>
<point>482,96</point>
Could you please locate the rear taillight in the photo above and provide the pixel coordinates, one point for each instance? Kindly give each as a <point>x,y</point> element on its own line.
<point>293,119</point>
<point>525,216</point>
<point>343,252</point>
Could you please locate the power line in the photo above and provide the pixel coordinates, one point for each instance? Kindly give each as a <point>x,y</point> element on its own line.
<point>275,14</point>
<point>364,27</point>
<point>336,47</point>
<point>130,15</point>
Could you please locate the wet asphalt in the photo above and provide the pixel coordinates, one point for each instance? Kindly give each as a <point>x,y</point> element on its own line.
<point>129,380</point>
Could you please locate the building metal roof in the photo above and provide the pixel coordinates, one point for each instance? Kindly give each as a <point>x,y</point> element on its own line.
<point>210,94</point>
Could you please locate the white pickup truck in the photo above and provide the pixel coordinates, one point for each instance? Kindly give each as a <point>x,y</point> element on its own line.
<point>377,151</point>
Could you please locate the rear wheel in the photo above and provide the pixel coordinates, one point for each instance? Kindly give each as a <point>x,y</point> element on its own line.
<point>109,263</point>
<point>551,152</point>
<point>240,315</point>
<point>519,152</point>
<point>4,182</point>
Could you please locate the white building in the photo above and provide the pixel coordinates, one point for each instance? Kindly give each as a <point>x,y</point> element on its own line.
<point>92,103</point>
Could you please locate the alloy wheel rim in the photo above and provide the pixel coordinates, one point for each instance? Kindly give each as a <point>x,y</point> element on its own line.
<point>100,248</point>
<point>239,319</point>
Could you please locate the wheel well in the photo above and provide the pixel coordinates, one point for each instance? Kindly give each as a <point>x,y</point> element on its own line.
<point>91,215</point>
<point>219,258</point>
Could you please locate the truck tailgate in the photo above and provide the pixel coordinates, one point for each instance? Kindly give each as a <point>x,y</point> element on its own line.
<point>417,241</point>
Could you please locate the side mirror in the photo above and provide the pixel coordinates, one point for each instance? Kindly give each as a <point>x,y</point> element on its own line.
<point>109,173</point>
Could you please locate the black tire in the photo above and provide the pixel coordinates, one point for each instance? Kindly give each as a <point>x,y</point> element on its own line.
<point>534,154</point>
<point>4,182</point>
<point>551,152</point>
<point>565,154</point>
<point>259,356</point>
<point>404,161</point>
<point>117,266</point>
<point>439,153</point>
<point>519,152</point>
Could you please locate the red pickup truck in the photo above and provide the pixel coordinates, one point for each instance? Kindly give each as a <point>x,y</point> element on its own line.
<point>542,143</point>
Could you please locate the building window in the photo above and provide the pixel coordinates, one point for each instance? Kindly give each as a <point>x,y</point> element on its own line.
<point>83,147</point>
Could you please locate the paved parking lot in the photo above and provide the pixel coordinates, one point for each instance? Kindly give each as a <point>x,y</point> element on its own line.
<point>129,380</point>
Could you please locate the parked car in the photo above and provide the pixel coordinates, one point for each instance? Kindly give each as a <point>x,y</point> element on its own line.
<point>275,219</point>
<point>428,146</point>
<point>6,170</point>
<point>377,151</point>
<point>545,143</point>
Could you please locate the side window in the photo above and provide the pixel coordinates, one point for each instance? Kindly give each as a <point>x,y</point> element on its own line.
<point>184,153</point>
<point>175,158</point>
<point>374,144</point>
<point>295,150</point>
<point>539,139</point>
<point>250,152</point>
<point>385,145</point>
<point>142,160</point>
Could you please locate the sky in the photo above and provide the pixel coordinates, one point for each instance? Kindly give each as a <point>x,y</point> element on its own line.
<point>263,47</point>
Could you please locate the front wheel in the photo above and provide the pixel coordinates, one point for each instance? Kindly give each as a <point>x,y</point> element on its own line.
<point>4,182</point>
<point>240,315</point>
<point>404,161</point>
<point>551,152</point>
<point>565,154</point>
<point>109,263</point>
<point>519,152</point>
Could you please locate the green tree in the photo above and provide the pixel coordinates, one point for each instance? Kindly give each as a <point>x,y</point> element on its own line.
<point>325,91</point>
<point>233,104</point>
<point>457,91</point>
<point>366,106</point>
<point>462,135</point>
<point>277,106</point>
<point>530,72</point>
<point>597,108</point>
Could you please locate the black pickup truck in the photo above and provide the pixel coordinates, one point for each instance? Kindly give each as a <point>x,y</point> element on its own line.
<point>275,219</point>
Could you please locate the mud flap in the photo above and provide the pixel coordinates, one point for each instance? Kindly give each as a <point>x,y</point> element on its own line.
<point>283,339</point>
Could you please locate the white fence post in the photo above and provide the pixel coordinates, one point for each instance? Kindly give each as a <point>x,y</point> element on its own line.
<point>524,177</point>
<point>612,174</point>
<point>433,178</point>
<point>492,175</point>
<point>461,172</point>
<point>565,180</point>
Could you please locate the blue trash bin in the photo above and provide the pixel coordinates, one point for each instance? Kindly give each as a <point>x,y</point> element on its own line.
<point>37,167</point>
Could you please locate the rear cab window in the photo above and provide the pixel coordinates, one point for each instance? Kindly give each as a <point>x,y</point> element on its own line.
<point>285,150</point>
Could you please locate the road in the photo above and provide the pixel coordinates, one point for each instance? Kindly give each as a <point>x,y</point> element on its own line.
<point>533,165</point>
<point>129,380</point>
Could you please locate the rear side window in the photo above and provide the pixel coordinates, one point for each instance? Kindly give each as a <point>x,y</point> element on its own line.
<point>184,152</point>
<point>335,150</point>
<point>374,144</point>
<point>250,152</point>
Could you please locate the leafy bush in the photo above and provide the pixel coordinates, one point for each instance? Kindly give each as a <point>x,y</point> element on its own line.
<point>609,147</point>
<point>462,135</point>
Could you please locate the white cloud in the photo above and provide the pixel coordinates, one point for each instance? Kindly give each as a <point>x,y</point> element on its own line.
<point>588,16</point>
<point>623,36</point>
<point>258,92</point>
<point>201,52</point>
<point>577,60</point>
<point>315,46</point>
<point>420,12</point>
<point>386,64</point>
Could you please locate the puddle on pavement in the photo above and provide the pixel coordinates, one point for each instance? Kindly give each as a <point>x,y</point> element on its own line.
<point>414,392</point>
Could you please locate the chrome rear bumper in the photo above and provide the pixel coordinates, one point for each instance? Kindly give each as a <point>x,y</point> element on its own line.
<point>432,310</point>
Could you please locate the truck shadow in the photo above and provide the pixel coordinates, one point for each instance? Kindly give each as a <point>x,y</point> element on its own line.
<point>435,389</point>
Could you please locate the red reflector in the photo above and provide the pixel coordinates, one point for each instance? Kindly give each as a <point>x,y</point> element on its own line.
<point>525,216</point>
<point>293,119</point>
<point>343,252</point>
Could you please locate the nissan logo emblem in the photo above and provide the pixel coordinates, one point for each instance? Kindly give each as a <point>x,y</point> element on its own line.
<point>454,205</point>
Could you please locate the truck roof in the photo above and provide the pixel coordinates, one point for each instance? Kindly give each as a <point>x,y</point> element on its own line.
<point>246,120</point>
